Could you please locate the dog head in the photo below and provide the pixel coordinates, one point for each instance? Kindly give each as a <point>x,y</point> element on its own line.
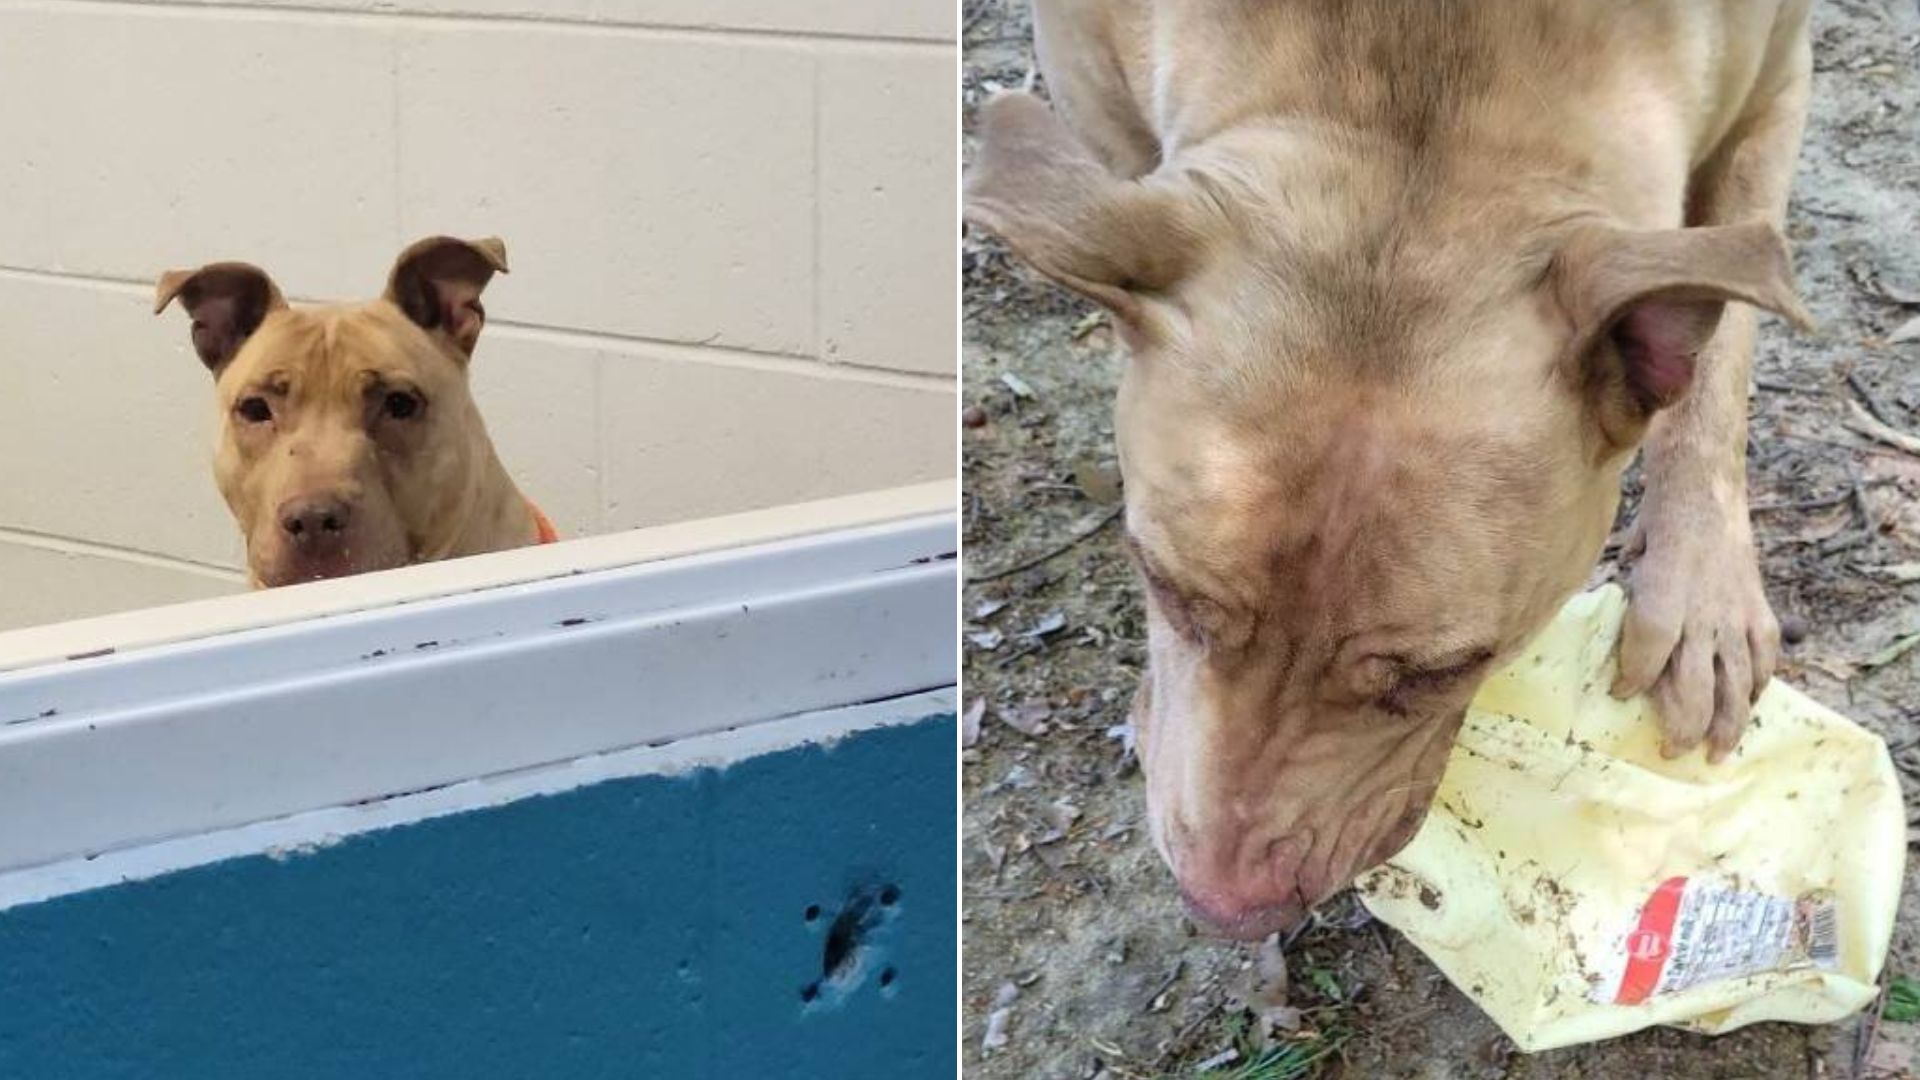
<point>1371,441</point>
<point>350,441</point>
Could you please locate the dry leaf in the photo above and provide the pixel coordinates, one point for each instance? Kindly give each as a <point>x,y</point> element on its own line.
<point>1051,623</point>
<point>1028,717</point>
<point>1060,815</point>
<point>1890,1060</point>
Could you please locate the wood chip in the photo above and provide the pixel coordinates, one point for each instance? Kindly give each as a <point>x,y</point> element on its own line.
<point>1018,385</point>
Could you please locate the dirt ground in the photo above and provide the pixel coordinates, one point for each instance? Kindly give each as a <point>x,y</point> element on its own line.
<point>1073,932</point>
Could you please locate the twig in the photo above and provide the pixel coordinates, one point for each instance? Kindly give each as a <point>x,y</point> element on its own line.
<point>1865,1048</point>
<point>1870,399</point>
<point>1312,920</point>
<point>1166,984</point>
<point>1822,503</point>
<point>1032,646</point>
<point>1184,1036</point>
<point>1865,423</point>
<point>1834,545</point>
<point>1058,549</point>
<point>1860,503</point>
<point>1403,1019</point>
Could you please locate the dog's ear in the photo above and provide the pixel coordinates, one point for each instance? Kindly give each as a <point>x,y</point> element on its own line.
<point>1119,242</point>
<point>438,281</point>
<point>227,302</point>
<point>1643,305</point>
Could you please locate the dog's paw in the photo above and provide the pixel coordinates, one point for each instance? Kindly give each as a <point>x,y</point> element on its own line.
<point>1699,635</point>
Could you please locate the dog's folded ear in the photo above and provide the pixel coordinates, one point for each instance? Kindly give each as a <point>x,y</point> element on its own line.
<point>227,302</point>
<point>1116,241</point>
<point>437,282</point>
<point>1644,304</point>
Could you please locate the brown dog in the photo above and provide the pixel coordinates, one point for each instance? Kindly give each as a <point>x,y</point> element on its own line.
<point>351,442</point>
<point>1406,285</point>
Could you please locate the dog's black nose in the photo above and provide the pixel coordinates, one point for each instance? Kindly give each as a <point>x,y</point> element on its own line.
<point>314,519</point>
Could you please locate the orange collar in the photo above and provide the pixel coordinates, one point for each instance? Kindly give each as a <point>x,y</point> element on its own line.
<point>548,534</point>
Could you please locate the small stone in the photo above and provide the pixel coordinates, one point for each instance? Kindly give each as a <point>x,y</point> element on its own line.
<point>973,416</point>
<point>1793,629</point>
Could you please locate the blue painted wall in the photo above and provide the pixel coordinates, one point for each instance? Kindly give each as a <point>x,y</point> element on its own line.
<point>649,927</point>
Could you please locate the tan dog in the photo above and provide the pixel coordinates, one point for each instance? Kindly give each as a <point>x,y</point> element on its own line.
<point>1406,286</point>
<point>351,442</point>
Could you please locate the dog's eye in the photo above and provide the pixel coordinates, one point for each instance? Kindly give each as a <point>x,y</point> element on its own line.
<point>403,406</point>
<point>254,410</point>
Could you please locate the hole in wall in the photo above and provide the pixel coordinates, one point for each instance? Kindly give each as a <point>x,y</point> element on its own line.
<point>843,939</point>
<point>849,957</point>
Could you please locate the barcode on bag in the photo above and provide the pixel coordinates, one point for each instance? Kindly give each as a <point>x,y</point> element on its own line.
<point>1823,935</point>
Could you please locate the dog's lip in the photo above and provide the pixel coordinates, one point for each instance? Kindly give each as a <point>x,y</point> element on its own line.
<point>300,571</point>
<point>1251,925</point>
<point>279,578</point>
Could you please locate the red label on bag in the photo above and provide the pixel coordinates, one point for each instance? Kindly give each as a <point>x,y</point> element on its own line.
<point>1693,931</point>
<point>1650,943</point>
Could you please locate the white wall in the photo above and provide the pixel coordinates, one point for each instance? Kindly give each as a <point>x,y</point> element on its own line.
<point>731,226</point>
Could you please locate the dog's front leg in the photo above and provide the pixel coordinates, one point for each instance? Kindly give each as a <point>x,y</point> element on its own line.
<point>1699,633</point>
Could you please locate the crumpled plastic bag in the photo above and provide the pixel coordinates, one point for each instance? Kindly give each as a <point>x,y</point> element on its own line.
<point>1578,886</point>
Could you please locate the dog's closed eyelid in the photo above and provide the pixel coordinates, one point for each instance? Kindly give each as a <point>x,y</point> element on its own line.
<point>1409,681</point>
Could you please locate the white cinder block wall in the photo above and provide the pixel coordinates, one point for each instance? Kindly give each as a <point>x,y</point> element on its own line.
<point>730,225</point>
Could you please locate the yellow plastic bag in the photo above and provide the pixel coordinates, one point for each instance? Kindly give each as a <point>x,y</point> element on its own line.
<point>1578,886</point>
